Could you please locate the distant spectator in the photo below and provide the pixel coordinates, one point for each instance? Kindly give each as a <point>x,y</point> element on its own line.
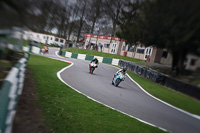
<point>96,47</point>
<point>101,46</point>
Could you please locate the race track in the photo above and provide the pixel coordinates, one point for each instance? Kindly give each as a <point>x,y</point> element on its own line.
<point>127,98</point>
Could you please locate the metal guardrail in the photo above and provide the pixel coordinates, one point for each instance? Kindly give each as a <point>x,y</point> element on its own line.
<point>162,79</point>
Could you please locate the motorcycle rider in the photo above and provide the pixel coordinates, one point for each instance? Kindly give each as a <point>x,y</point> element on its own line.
<point>95,60</point>
<point>45,49</point>
<point>123,71</point>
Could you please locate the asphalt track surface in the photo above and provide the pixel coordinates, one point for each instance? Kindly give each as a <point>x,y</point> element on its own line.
<point>128,97</point>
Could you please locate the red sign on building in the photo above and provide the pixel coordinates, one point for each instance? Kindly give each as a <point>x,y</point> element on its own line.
<point>88,35</point>
<point>102,37</point>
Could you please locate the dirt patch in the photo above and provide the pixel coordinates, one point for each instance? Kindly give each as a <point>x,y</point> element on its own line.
<point>29,117</point>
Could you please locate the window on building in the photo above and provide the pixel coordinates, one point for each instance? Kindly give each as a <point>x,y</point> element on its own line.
<point>44,37</point>
<point>106,45</point>
<point>185,61</point>
<point>164,54</point>
<point>51,38</point>
<point>56,39</point>
<point>124,48</point>
<point>149,51</point>
<point>193,61</point>
<point>140,51</point>
<point>130,48</point>
<point>61,40</point>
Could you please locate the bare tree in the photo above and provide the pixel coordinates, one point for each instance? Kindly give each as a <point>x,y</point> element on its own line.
<point>73,16</point>
<point>82,15</point>
<point>94,14</point>
<point>13,13</point>
<point>113,9</point>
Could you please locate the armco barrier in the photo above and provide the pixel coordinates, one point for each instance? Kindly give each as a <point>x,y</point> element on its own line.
<point>35,50</point>
<point>100,59</point>
<point>10,91</point>
<point>162,79</point>
<point>32,49</point>
<point>107,60</point>
<point>90,57</point>
<point>115,62</point>
<point>74,55</point>
<point>183,87</point>
<point>81,56</point>
<point>143,71</point>
<point>67,54</point>
<point>63,53</point>
<point>154,76</point>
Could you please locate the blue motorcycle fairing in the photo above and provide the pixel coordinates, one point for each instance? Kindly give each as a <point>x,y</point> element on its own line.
<point>119,76</point>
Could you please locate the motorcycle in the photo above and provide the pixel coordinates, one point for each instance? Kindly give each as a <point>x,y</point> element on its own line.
<point>92,67</point>
<point>45,51</point>
<point>118,78</point>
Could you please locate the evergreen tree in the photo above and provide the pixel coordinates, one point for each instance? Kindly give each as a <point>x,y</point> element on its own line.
<point>171,24</point>
<point>128,23</point>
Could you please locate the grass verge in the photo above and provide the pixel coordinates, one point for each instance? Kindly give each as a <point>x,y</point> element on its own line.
<point>65,110</point>
<point>25,43</point>
<point>91,52</point>
<point>170,96</point>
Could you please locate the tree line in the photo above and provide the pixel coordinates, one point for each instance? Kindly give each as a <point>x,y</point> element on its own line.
<point>170,24</point>
<point>67,17</point>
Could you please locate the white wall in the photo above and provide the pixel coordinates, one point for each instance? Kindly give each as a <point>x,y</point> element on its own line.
<point>43,38</point>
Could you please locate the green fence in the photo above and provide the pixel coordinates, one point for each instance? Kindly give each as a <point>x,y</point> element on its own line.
<point>9,94</point>
<point>63,53</point>
<point>89,57</point>
<point>74,55</point>
<point>107,60</point>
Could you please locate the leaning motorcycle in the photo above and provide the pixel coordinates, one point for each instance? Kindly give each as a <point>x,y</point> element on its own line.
<point>92,67</point>
<point>118,78</point>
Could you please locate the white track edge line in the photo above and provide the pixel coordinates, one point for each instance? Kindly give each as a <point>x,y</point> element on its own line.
<point>58,75</point>
<point>183,111</point>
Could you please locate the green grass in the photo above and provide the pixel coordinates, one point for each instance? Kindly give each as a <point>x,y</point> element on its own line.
<point>90,52</point>
<point>65,110</point>
<point>25,43</point>
<point>168,95</point>
<point>197,80</point>
<point>42,45</point>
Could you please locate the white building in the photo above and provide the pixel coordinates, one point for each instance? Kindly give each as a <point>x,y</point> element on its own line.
<point>43,38</point>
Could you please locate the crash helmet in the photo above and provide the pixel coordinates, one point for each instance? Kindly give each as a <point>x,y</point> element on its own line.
<point>95,58</point>
<point>124,69</point>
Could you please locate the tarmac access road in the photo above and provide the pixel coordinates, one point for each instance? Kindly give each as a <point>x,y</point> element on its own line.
<point>128,97</point>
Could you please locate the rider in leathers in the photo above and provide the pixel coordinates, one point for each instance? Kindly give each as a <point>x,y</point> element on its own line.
<point>95,60</point>
<point>123,71</point>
